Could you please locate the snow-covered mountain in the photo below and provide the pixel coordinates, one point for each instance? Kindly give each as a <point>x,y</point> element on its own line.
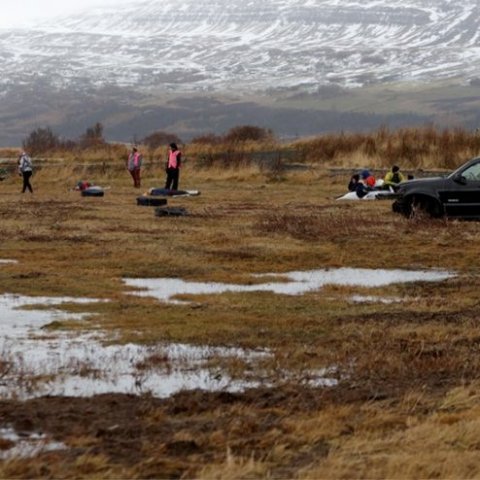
<point>205,45</point>
<point>212,47</point>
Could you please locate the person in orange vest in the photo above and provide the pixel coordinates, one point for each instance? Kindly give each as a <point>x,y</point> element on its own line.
<point>134,164</point>
<point>174,162</point>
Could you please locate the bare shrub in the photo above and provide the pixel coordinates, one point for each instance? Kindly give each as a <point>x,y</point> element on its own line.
<point>248,133</point>
<point>159,139</point>
<point>41,141</point>
<point>93,137</point>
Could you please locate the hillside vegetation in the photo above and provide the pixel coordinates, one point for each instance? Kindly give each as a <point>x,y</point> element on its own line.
<point>412,148</point>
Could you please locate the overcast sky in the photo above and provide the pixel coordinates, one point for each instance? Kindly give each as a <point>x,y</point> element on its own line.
<point>17,13</point>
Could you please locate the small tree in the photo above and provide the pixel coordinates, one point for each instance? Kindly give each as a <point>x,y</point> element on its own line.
<point>93,136</point>
<point>41,140</point>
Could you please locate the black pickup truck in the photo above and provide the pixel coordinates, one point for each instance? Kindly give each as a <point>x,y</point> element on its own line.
<point>455,195</point>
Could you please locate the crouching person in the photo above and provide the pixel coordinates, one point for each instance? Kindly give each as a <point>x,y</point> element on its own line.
<point>393,178</point>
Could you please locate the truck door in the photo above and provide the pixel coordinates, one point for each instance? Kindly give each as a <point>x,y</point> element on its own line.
<point>461,196</point>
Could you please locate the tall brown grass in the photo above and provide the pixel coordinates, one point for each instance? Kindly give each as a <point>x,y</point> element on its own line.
<point>412,148</point>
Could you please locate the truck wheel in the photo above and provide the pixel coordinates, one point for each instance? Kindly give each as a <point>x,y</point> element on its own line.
<point>423,205</point>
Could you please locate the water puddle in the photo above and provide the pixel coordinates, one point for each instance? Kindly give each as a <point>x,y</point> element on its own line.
<point>17,322</point>
<point>25,445</point>
<point>36,361</point>
<point>83,367</point>
<point>291,283</point>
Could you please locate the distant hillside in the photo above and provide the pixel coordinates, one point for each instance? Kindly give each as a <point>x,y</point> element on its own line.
<point>250,62</point>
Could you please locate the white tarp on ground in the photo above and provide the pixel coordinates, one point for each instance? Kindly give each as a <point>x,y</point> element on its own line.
<point>373,195</point>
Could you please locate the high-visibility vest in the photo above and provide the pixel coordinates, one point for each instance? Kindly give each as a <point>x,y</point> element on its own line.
<point>173,161</point>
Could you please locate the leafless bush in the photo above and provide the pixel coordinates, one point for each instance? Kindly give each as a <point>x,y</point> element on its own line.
<point>93,137</point>
<point>248,133</point>
<point>159,139</point>
<point>40,141</point>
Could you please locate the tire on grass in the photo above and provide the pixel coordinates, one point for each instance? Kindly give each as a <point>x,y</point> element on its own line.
<point>93,192</point>
<point>151,201</point>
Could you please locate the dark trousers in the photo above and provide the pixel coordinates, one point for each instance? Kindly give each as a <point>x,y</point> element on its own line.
<point>26,181</point>
<point>172,178</point>
<point>135,173</point>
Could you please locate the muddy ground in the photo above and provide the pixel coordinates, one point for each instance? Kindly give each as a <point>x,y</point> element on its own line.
<point>176,437</point>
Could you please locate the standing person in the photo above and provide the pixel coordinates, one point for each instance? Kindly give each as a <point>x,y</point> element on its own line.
<point>134,164</point>
<point>25,169</point>
<point>174,162</point>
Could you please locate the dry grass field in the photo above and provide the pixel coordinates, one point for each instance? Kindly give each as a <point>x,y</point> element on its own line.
<point>407,399</point>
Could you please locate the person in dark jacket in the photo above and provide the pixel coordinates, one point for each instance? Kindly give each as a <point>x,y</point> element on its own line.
<point>174,162</point>
<point>353,183</point>
<point>362,189</point>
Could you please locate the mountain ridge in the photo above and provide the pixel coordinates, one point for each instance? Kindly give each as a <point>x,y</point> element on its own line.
<point>267,48</point>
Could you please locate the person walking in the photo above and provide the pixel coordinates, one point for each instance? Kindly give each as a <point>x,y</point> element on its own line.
<point>174,162</point>
<point>25,169</point>
<point>134,164</point>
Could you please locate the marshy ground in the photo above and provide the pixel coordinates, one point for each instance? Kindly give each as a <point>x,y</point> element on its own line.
<point>407,396</point>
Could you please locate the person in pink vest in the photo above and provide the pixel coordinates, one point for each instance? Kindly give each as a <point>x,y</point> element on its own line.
<point>134,164</point>
<point>174,162</point>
